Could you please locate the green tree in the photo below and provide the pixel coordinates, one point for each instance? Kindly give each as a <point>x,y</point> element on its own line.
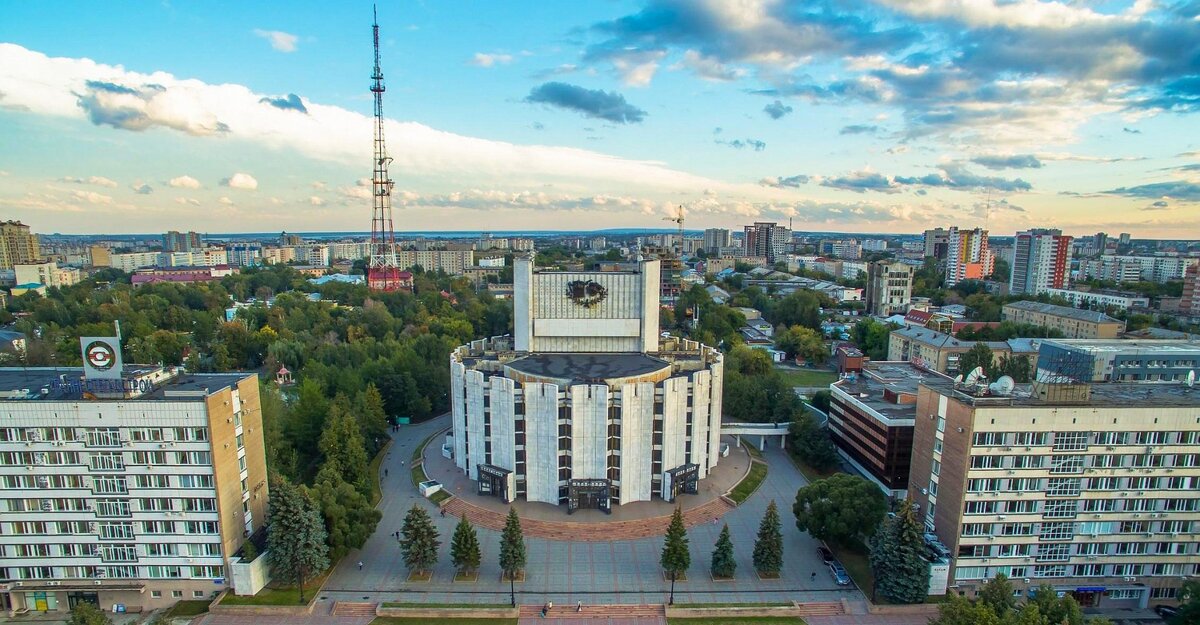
<point>958,610</point>
<point>980,355</point>
<point>811,442</point>
<point>296,538</point>
<point>872,337</point>
<point>350,519</point>
<point>512,551</point>
<point>842,509</point>
<point>897,563</point>
<point>1189,604</point>
<point>342,443</point>
<point>419,540</point>
<point>801,307</point>
<point>768,546</point>
<point>86,613</point>
<point>723,564</point>
<point>1055,609</point>
<point>803,342</point>
<point>997,594</point>
<point>675,555</point>
<point>372,418</point>
<point>1000,270</point>
<point>464,547</point>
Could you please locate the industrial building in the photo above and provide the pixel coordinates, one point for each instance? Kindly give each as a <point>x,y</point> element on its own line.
<point>586,405</point>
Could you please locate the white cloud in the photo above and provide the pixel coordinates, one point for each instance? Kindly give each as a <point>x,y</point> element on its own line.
<point>242,181</point>
<point>281,41</point>
<point>91,197</point>
<point>318,185</point>
<point>99,181</point>
<point>708,68</point>
<point>187,201</point>
<point>316,201</point>
<point>184,182</point>
<point>1016,13</point>
<point>224,200</point>
<point>488,60</point>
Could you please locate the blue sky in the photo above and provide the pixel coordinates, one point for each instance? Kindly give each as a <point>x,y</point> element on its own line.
<point>846,115</point>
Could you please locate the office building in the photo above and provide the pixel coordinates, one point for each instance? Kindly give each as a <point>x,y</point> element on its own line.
<point>1138,268</point>
<point>1089,488</point>
<point>937,243</point>
<point>48,274</point>
<point>717,238</point>
<point>967,255</point>
<point>1118,360</point>
<point>1101,299</point>
<point>889,287</point>
<point>17,245</point>
<point>175,241</point>
<point>939,352</point>
<point>585,405</point>
<point>767,239</point>
<point>848,249</point>
<point>1074,323</point>
<point>871,416</point>
<point>1041,260</point>
<point>452,262</point>
<point>1189,301</point>
<point>134,491</point>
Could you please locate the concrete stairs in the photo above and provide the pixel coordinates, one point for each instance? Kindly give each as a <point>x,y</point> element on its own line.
<point>353,608</point>
<point>596,615</point>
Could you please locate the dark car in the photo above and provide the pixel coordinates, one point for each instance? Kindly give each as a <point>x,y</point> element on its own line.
<point>839,574</point>
<point>825,553</point>
<point>1166,611</point>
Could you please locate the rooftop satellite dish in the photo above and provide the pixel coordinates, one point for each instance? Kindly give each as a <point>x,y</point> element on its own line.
<point>973,376</point>
<point>1003,386</point>
<point>1191,378</point>
<point>958,379</point>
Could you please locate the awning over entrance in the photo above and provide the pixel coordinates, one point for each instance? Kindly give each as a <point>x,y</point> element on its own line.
<point>495,481</point>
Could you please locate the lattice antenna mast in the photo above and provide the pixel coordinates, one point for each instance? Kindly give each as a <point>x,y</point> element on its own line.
<point>382,269</point>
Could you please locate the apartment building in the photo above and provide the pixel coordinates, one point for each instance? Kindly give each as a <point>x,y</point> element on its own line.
<point>136,490</point>
<point>17,245</point>
<point>889,287</point>
<point>1135,268</point>
<point>1189,302</point>
<point>717,238</point>
<point>1074,323</point>
<point>935,351</point>
<point>1101,298</point>
<point>1041,260</point>
<point>175,241</point>
<point>967,255</point>
<point>48,274</point>
<point>1093,489</point>
<point>453,262</point>
<point>767,239</point>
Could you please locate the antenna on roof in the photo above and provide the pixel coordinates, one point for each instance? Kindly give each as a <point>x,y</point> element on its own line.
<point>1191,379</point>
<point>974,376</point>
<point>1003,386</point>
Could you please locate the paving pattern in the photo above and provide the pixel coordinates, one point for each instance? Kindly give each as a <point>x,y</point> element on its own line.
<point>594,615</point>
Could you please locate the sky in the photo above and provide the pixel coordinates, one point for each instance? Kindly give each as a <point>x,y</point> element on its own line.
<point>887,116</point>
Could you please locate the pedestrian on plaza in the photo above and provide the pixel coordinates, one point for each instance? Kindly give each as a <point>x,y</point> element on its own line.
<point>813,577</point>
<point>545,608</point>
<point>579,607</point>
<point>549,606</point>
<point>385,473</point>
<point>443,512</point>
<point>360,565</point>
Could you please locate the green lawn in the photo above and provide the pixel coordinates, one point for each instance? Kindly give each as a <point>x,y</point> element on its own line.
<point>808,472</point>
<point>188,608</point>
<point>745,488</point>
<point>858,565</point>
<point>808,377</point>
<point>273,596</point>
<point>737,620</point>
<point>416,456</point>
<point>407,620</point>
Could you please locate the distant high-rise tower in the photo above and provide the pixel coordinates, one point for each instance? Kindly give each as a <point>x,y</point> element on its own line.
<point>383,272</point>
<point>1041,261</point>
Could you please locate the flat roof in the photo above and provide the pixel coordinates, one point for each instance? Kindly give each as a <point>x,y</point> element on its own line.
<point>64,384</point>
<point>1091,316</point>
<point>868,387</point>
<point>1129,346</point>
<point>1103,394</point>
<point>588,367</point>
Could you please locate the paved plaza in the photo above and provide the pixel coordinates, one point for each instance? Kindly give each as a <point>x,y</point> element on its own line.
<point>613,572</point>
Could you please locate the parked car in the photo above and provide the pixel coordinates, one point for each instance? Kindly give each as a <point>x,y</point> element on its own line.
<point>839,574</point>
<point>1166,611</point>
<point>826,554</point>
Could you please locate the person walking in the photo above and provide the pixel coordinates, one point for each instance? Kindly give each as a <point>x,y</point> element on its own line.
<point>579,607</point>
<point>360,565</point>
<point>813,577</point>
<point>545,608</point>
<point>385,473</point>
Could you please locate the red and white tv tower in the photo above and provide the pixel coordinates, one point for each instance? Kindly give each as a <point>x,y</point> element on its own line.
<point>383,272</point>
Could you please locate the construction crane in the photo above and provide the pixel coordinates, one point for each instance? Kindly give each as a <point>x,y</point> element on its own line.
<point>678,218</point>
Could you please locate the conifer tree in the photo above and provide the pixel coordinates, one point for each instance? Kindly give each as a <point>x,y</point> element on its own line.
<point>512,551</point>
<point>723,564</point>
<point>768,546</point>
<point>897,562</point>
<point>296,538</point>
<point>464,547</point>
<point>419,540</point>
<point>675,555</point>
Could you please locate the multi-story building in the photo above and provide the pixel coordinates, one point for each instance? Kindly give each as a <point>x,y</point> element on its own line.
<point>175,241</point>
<point>1118,360</point>
<point>767,239</point>
<point>520,245</point>
<point>99,256</point>
<point>245,254</point>
<point>349,250</point>
<point>1074,323</point>
<point>847,249</point>
<point>967,255</point>
<point>207,257</point>
<point>940,352</point>
<point>290,240</point>
<point>132,261</point>
<point>181,275</point>
<point>1189,301</point>
<point>1101,298</point>
<point>585,404</point>
<point>17,245</point>
<point>48,274</point>
<point>134,491</point>
<point>871,421</point>
<point>889,287</point>
<point>313,254</point>
<point>937,242</point>
<point>716,238</point>
<point>1138,268</point>
<point>1090,488</point>
<point>453,262</point>
<point>279,255</point>
<point>1041,260</point>
<point>874,245</point>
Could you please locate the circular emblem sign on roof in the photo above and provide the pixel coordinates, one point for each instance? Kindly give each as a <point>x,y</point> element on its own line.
<point>586,293</point>
<point>100,355</point>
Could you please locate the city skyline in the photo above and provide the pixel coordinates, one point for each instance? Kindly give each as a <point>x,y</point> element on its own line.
<point>882,116</point>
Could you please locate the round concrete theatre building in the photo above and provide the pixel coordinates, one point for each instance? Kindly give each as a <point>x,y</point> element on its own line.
<point>585,405</point>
